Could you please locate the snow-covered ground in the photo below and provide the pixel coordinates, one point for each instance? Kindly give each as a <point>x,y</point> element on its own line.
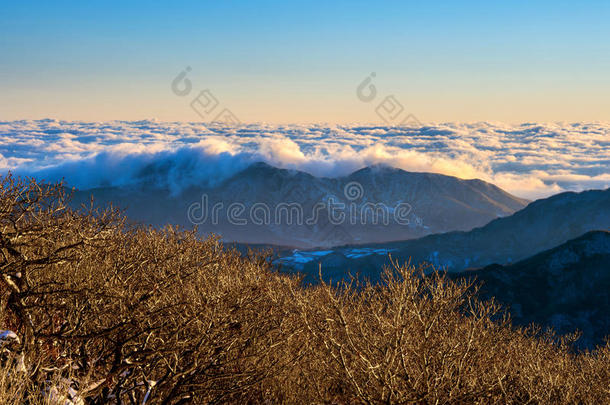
<point>300,257</point>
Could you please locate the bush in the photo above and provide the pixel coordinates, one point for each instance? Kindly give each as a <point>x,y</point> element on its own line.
<point>106,312</point>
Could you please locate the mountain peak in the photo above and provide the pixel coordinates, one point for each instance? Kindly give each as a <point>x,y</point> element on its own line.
<point>260,165</point>
<point>378,168</point>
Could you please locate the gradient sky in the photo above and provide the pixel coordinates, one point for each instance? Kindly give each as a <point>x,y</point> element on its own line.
<point>302,61</point>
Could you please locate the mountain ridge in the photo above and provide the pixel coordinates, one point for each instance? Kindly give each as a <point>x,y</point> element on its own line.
<point>541,225</point>
<point>566,287</point>
<point>369,197</point>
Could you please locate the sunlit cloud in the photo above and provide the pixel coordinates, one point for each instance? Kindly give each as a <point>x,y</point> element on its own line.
<point>528,160</point>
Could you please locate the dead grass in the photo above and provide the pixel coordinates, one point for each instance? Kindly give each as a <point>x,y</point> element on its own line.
<point>108,313</point>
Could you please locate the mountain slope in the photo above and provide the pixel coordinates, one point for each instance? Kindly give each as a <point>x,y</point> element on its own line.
<point>567,287</point>
<point>542,225</point>
<point>264,204</point>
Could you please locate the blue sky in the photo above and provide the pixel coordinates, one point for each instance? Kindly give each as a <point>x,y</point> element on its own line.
<point>302,61</point>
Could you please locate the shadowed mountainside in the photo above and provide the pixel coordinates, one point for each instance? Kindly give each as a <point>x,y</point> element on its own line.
<point>566,288</point>
<point>542,225</point>
<point>293,208</point>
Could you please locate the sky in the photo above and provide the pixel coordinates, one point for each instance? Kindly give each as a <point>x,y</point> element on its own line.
<point>302,62</point>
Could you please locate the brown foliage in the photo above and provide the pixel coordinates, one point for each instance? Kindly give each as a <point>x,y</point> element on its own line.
<point>128,314</point>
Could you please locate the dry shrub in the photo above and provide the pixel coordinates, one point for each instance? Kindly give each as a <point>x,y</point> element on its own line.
<point>120,314</point>
<point>420,338</point>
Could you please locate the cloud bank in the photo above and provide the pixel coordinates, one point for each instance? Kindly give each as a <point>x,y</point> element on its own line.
<point>529,160</point>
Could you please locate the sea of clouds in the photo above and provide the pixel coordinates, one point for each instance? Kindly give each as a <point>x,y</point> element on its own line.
<point>530,160</point>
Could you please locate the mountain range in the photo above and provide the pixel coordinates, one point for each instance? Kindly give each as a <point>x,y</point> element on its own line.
<point>548,261</point>
<point>542,225</point>
<point>268,205</point>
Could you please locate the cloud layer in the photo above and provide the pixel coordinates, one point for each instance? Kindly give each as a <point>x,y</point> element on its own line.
<point>529,160</point>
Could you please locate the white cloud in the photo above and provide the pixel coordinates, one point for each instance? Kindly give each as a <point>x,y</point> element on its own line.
<point>529,160</point>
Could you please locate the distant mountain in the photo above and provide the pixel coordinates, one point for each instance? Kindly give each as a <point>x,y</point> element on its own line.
<point>567,287</point>
<point>542,225</point>
<point>267,205</point>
